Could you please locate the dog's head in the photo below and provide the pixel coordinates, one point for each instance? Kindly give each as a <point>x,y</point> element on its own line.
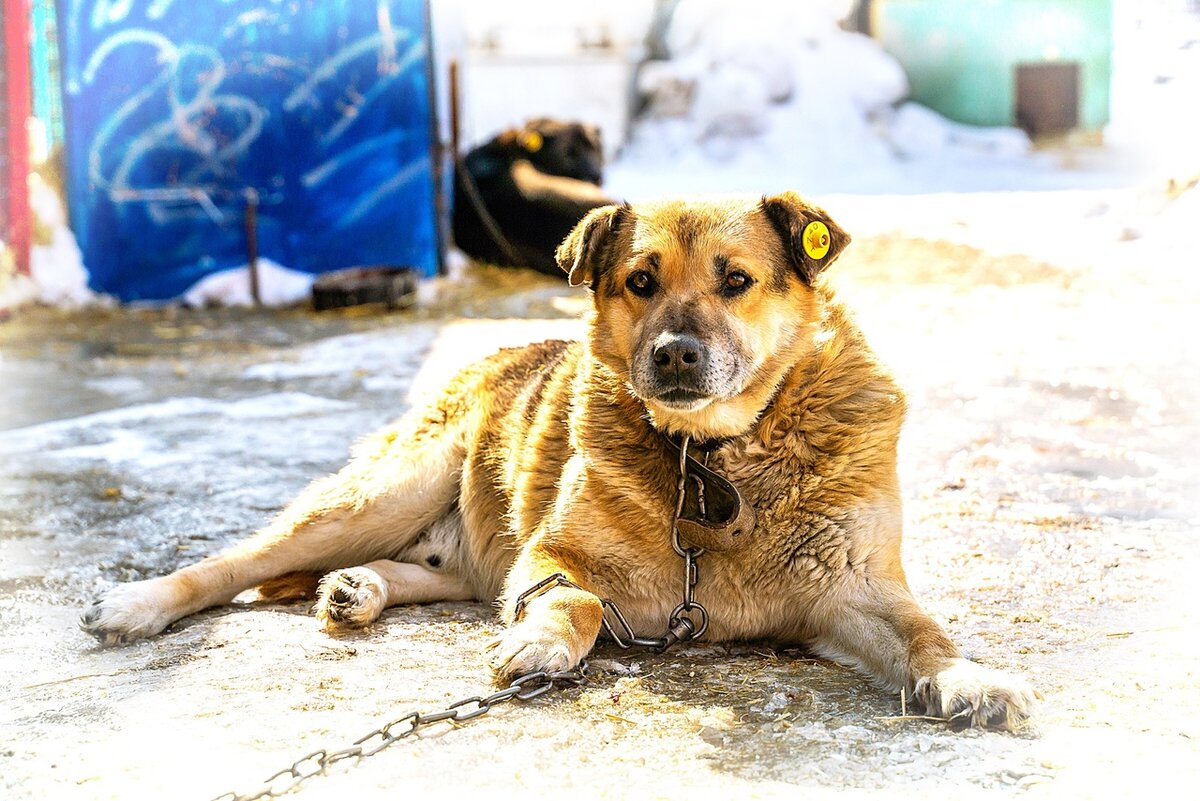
<point>569,149</point>
<point>702,308</point>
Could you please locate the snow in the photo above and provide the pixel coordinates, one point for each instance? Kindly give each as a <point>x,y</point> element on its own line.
<point>768,83</point>
<point>279,404</point>
<point>374,353</point>
<point>116,386</point>
<point>277,286</point>
<point>419,363</point>
<point>916,131</point>
<point>15,290</point>
<point>119,430</point>
<point>57,266</point>
<point>761,96</point>
<point>1156,80</point>
<point>834,118</point>
<point>56,273</point>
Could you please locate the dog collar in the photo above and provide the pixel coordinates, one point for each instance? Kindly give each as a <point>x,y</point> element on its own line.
<point>714,515</point>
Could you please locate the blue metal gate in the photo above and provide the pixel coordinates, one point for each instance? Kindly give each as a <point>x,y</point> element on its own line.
<point>178,112</point>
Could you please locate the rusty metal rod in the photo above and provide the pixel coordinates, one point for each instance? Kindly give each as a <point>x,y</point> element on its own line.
<point>251,220</point>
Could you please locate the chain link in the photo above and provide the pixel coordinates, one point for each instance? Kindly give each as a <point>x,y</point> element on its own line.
<point>523,688</point>
<point>687,621</point>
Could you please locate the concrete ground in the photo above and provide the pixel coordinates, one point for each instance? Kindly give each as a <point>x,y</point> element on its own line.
<point>1048,465</point>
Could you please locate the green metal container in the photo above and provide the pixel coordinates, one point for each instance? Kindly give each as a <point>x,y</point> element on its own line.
<point>1043,64</point>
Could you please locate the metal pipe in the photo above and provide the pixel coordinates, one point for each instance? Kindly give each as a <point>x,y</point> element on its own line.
<point>251,220</point>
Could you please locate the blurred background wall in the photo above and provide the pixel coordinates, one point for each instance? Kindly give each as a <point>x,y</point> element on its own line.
<point>1042,65</point>
<point>877,96</point>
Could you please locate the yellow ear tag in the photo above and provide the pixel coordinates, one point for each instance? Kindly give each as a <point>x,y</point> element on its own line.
<point>532,141</point>
<point>816,240</point>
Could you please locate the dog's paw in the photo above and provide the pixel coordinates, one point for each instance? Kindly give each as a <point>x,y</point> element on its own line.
<point>352,597</point>
<point>529,647</point>
<point>129,612</point>
<point>970,694</point>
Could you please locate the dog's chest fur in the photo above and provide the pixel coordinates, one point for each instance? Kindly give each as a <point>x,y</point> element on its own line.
<point>810,542</point>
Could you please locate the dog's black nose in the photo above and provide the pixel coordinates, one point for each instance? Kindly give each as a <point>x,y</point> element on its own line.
<point>678,355</point>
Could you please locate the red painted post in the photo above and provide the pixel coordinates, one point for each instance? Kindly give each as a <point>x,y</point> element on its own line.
<point>17,90</point>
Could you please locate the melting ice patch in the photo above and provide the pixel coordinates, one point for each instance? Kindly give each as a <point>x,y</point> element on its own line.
<point>130,434</point>
<point>376,354</point>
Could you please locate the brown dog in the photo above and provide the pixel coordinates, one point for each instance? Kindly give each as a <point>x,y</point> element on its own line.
<point>710,321</point>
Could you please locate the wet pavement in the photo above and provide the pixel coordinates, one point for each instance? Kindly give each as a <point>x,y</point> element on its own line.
<point>1049,472</point>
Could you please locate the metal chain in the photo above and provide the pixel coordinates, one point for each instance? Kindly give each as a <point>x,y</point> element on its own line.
<point>523,688</point>
<point>489,222</point>
<point>687,621</point>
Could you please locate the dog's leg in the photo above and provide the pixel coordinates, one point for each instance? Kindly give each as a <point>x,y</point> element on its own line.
<point>357,596</point>
<point>396,485</point>
<point>557,628</point>
<point>431,569</point>
<point>877,626</point>
<point>296,586</point>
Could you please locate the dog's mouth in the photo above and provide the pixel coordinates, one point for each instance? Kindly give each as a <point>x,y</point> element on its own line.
<point>682,399</point>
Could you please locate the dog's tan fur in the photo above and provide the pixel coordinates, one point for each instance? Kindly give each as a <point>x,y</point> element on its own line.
<point>545,459</point>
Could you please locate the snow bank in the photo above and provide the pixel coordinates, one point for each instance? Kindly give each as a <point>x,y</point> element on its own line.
<point>57,276</point>
<point>277,286</point>
<point>15,290</point>
<point>760,96</point>
<point>734,60</point>
<point>917,131</point>
<point>1156,80</point>
<point>56,266</point>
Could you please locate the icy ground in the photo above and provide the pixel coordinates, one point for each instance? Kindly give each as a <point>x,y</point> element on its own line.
<point>1048,466</point>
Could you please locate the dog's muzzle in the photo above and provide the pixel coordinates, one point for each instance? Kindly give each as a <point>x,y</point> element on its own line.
<point>680,363</point>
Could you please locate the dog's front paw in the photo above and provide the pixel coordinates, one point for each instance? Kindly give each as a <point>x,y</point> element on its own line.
<point>970,694</point>
<point>129,612</point>
<point>352,597</point>
<point>528,647</point>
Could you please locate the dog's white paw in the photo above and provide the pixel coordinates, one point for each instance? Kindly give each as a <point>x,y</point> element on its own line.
<point>529,647</point>
<point>129,612</point>
<point>352,597</point>
<point>970,694</point>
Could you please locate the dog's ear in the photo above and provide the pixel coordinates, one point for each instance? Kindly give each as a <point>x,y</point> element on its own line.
<point>587,250</point>
<point>525,140</point>
<point>811,239</point>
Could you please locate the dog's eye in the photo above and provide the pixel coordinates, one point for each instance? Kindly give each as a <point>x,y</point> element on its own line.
<point>640,283</point>
<point>737,281</point>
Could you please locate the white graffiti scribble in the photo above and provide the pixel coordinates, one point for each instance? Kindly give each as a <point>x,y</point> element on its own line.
<point>106,12</point>
<point>164,45</point>
<point>158,9</point>
<point>306,92</point>
<point>415,53</point>
<point>412,170</point>
<point>323,171</point>
<point>110,12</point>
<point>184,129</point>
<point>189,86</point>
<point>383,18</point>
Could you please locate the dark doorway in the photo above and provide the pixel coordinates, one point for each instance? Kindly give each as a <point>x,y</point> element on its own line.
<point>1047,98</point>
